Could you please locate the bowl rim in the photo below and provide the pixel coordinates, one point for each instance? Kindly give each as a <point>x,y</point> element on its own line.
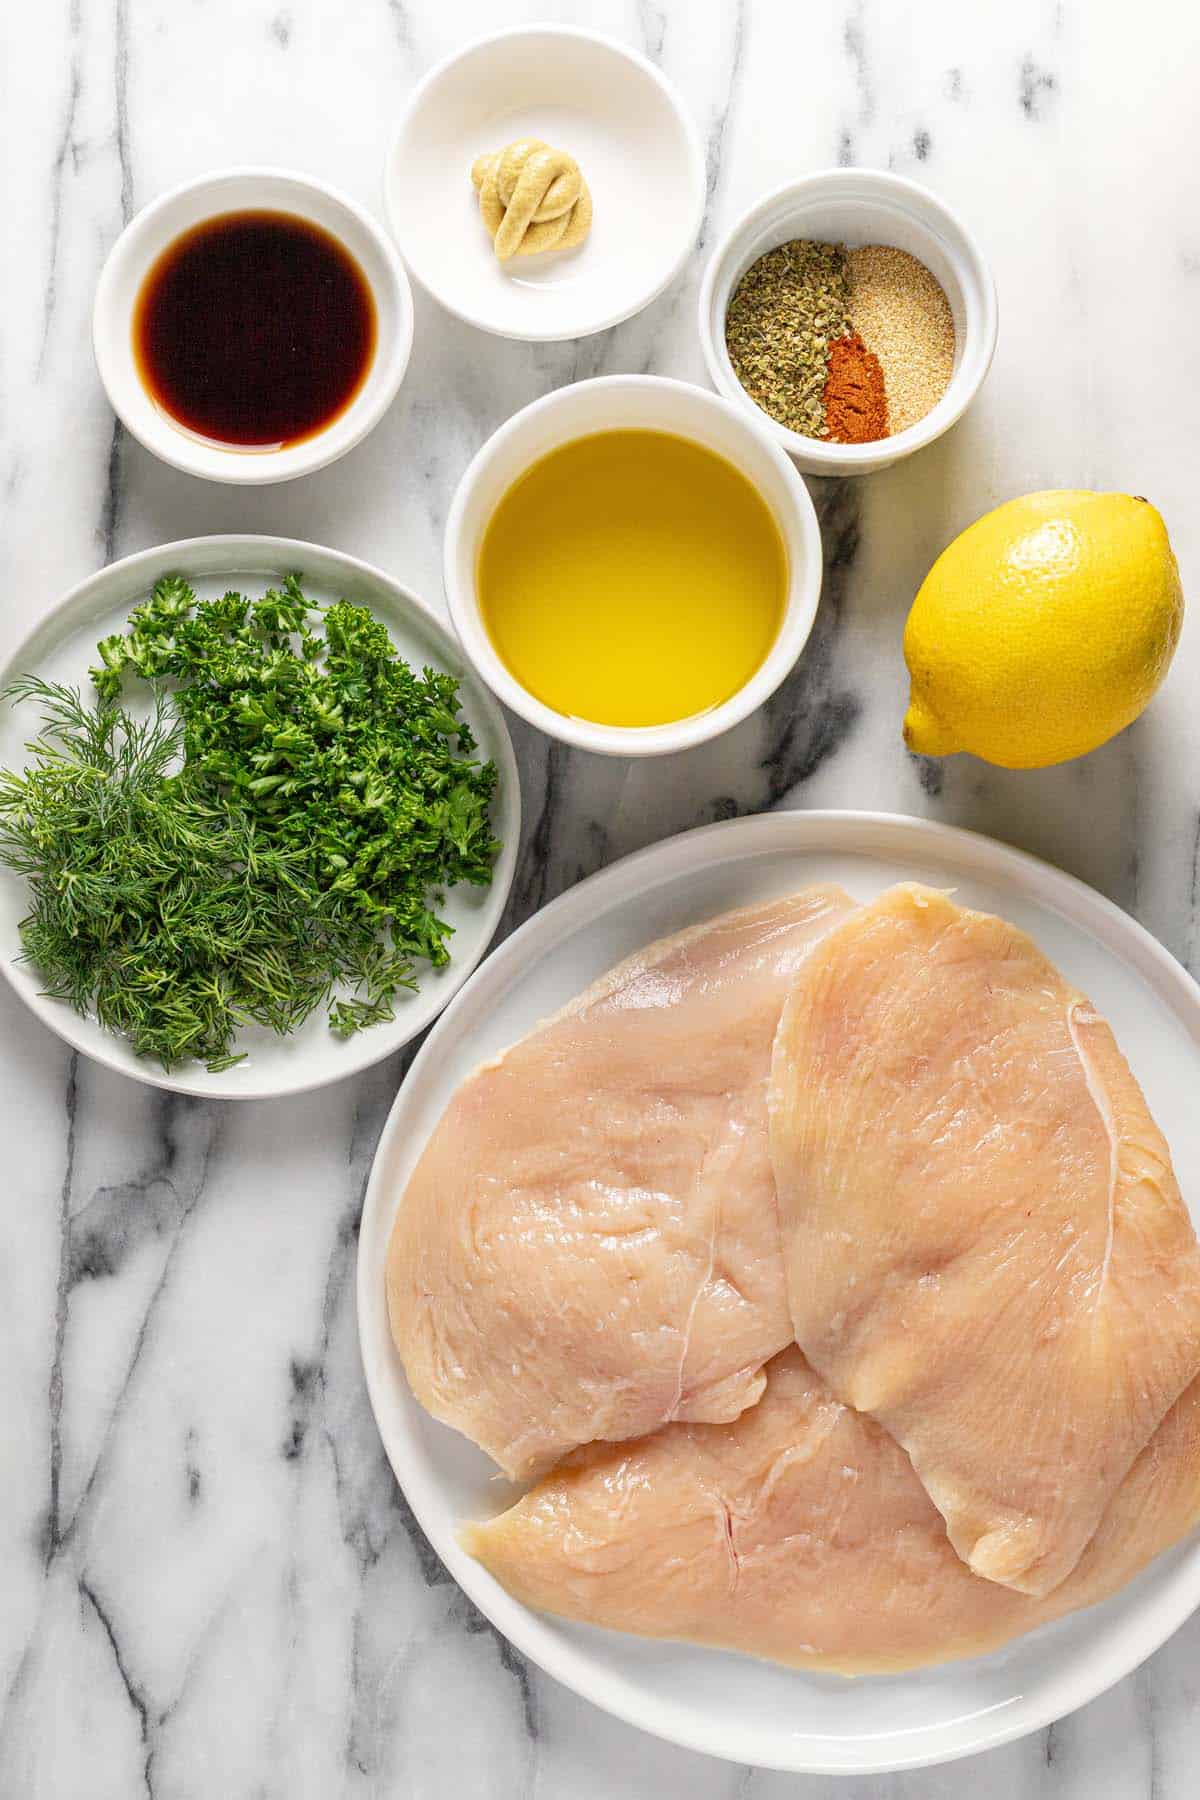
<point>800,610</point>
<point>818,455</point>
<point>683,119</point>
<point>173,446</point>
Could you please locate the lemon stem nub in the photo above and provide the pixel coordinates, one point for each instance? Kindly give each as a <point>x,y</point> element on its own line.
<point>924,735</point>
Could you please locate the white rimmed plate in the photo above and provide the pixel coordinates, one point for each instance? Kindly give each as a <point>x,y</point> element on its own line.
<point>62,648</point>
<point>724,1704</point>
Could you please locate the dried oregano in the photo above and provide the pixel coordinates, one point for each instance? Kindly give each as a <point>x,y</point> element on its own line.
<point>785,312</point>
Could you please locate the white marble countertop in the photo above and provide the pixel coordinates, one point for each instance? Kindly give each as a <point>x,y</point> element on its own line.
<point>210,1587</point>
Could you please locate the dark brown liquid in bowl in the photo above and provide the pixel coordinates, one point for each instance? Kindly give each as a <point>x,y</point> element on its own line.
<point>254,329</point>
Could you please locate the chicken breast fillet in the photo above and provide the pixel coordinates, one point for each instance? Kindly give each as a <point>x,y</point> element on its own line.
<point>800,1533</point>
<point>985,1245</point>
<point>589,1245</point>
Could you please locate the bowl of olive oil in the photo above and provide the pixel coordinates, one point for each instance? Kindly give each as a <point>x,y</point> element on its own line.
<point>631,566</point>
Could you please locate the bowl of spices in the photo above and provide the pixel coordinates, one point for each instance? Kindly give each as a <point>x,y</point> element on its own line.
<point>854,314</point>
<point>252,326</point>
<point>631,565</point>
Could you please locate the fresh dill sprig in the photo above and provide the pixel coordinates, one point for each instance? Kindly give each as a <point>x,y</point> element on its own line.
<point>273,838</point>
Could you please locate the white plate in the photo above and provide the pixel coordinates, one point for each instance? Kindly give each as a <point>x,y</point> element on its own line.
<point>610,109</point>
<point>725,1704</point>
<point>63,647</point>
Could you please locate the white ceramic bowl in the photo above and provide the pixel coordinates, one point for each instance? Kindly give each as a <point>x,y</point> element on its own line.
<point>859,206</point>
<point>635,144</point>
<point>238,190</point>
<point>617,403</point>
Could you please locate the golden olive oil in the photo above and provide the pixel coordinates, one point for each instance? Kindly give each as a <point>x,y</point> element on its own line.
<point>632,578</point>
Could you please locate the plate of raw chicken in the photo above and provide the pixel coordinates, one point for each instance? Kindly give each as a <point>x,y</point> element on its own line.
<point>778,1296</point>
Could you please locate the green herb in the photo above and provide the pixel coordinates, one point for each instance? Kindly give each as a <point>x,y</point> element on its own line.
<point>272,839</point>
<point>785,312</point>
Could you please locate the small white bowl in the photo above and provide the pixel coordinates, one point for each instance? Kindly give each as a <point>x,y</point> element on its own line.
<point>859,206</point>
<point>621,403</point>
<point>241,190</point>
<point>610,109</point>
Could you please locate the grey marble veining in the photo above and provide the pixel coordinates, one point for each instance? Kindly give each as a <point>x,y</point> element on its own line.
<point>210,1585</point>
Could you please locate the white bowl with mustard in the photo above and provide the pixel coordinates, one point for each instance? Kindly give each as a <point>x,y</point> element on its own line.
<point>631,565</point>
<point>592,212</point>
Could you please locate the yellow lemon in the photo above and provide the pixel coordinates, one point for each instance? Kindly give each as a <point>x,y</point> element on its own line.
<point>1042,630</point>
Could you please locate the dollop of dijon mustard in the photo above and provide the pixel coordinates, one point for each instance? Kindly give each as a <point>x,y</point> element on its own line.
<point>532,198</point>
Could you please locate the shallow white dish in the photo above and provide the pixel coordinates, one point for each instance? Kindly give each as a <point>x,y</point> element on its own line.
<point>647,403</point>
<point>620,119</point>
<point>158,225</point>
<point>859,206</point>
<point>62,647</point>
<point>709,1700</point>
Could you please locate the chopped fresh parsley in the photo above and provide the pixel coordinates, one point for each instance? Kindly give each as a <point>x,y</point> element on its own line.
<point>274,838</point>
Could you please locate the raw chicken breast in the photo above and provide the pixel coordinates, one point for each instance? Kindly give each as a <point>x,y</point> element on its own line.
<point>800,1533</point>
<point>984,1241</point>
<point>589,1245</point>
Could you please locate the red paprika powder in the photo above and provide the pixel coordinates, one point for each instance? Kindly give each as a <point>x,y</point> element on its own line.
<point>855,398</point>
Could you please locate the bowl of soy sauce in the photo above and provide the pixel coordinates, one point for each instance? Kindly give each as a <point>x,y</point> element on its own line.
<point>252,326</point>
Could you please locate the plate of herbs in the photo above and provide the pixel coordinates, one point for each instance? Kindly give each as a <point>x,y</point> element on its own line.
<point>258,821</point>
